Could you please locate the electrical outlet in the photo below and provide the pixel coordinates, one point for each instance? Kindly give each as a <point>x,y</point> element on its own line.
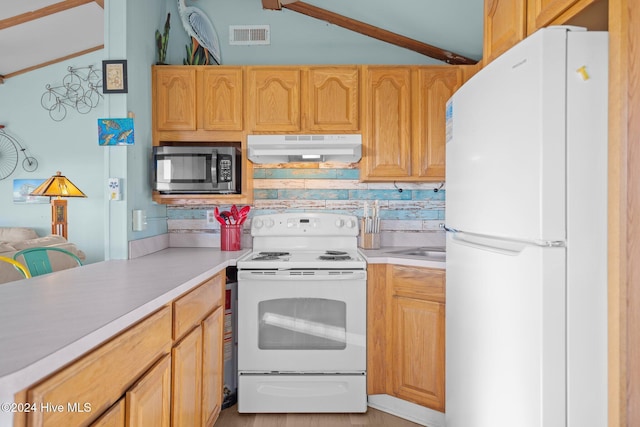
<point>211,219</point>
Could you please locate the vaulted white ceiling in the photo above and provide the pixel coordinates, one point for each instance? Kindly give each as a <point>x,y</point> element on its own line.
<point>37,32</point>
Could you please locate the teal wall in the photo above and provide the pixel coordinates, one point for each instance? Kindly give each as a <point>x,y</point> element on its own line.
<point>299,39</point>
<point>69,146</point>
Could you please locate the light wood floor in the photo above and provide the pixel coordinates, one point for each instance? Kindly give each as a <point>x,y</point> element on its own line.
<point>231,418</point>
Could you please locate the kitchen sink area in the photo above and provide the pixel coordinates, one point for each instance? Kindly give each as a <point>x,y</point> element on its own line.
<point>423,252</point>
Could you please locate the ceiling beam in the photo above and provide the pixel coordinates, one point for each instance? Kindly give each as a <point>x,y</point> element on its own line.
<point>45,11</point>
<point>53,61</point>
<point>376,32</point>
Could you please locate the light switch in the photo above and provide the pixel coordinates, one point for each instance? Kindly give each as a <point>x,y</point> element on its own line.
<point>139,220</point>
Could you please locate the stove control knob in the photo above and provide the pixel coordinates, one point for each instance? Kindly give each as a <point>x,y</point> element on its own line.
<point>351,223</point>
<point>269,223</point>
<point>339,223</point>
<point>257,223</point>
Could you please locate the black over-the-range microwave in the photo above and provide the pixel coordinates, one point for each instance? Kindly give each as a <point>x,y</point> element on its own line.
<point>197,169</point>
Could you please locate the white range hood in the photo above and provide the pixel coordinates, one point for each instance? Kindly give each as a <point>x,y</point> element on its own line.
<point>304,148</point>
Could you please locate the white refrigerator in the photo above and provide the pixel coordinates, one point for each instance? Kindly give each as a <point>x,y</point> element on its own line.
<point>526,220</point>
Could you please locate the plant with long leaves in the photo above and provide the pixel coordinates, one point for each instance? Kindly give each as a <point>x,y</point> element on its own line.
<point>198,58</point>
<point>162,40</point>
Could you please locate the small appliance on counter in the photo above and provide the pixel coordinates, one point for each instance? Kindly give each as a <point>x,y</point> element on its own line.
<point>202,169</point>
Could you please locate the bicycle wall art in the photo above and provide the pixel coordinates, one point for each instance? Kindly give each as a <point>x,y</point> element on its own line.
<point>10,151</point>
<point>80,90</point>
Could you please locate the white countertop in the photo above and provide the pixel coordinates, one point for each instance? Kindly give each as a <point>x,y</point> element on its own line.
<point>48,321</point>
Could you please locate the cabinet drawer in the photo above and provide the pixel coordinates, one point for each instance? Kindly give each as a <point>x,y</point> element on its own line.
<point>418,282</point>
<point>191,308</point>
<point>101,377</point>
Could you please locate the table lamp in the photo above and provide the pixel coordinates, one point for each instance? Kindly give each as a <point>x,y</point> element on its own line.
<point>56,187</point>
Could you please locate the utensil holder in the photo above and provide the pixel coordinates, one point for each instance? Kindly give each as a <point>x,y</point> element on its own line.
<point>370,240</point>
<point>230,237</point>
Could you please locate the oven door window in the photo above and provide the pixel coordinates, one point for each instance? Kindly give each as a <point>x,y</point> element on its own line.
<point>302,324</point>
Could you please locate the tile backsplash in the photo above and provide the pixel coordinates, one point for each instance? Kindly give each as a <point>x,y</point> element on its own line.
<point>411,213</point>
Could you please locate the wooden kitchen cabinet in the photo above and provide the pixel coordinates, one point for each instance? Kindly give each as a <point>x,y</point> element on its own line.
<point>274,99</point>
<point>186,357</point>
<point>406,334</point>
<point>542,13</point>
<point>190,98</point>
<point>148,401</point>
<point>166,369</point>
<point>405,122</point>
<point>304,99</point>
<point>103,376</point>
<point>114,417</point>
<point>222,99</point>
<point>505,24</point>
<point>434,88</point>
<point>418,344</point>
<point>332,100</point>
<point>174,98</point>
<point>197,356</point>
<point>387,147</point>
<point>212,365</point>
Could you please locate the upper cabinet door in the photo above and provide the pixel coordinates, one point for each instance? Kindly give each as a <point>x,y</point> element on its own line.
<point>222,98</point>
<point>504,26</point>
<point>175,98</point>
<point>435,87</point>
<point>274,99</point>
<point>333,99</point>
<point>387,144</point>
<point>541,13</point>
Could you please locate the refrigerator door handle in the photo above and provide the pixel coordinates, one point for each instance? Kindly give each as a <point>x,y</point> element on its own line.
<point>501,245</point>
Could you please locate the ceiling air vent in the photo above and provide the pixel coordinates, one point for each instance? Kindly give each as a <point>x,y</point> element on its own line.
<point>249,34</point>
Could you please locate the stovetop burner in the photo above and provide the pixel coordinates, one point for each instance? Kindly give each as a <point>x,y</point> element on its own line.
<point>335,256</point>
<point>335,252</point>
<point>269,256</point>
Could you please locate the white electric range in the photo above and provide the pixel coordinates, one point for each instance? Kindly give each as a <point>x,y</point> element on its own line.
<point>302,316</point>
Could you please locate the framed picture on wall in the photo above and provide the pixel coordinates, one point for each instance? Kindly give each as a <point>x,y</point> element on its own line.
<point>22,188</point>
<point>114,76</point>
<point>115,131</point>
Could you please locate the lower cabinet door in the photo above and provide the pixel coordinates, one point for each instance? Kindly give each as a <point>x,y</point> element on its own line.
<point>114,417</point>
<point>212,366</point>
<point>418,346</point>
<point>187,380</point>
<point>149,399</point>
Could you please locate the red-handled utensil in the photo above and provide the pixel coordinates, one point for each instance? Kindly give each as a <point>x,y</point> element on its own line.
<point>242,215</point>
<point>216,214</point>
<point>227,216</point>
<point>234,213</point>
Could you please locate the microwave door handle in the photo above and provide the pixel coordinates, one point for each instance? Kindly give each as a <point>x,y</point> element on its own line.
<point>214,168</point>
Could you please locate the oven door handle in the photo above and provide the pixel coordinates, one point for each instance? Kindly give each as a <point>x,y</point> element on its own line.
<point>310,275</point>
